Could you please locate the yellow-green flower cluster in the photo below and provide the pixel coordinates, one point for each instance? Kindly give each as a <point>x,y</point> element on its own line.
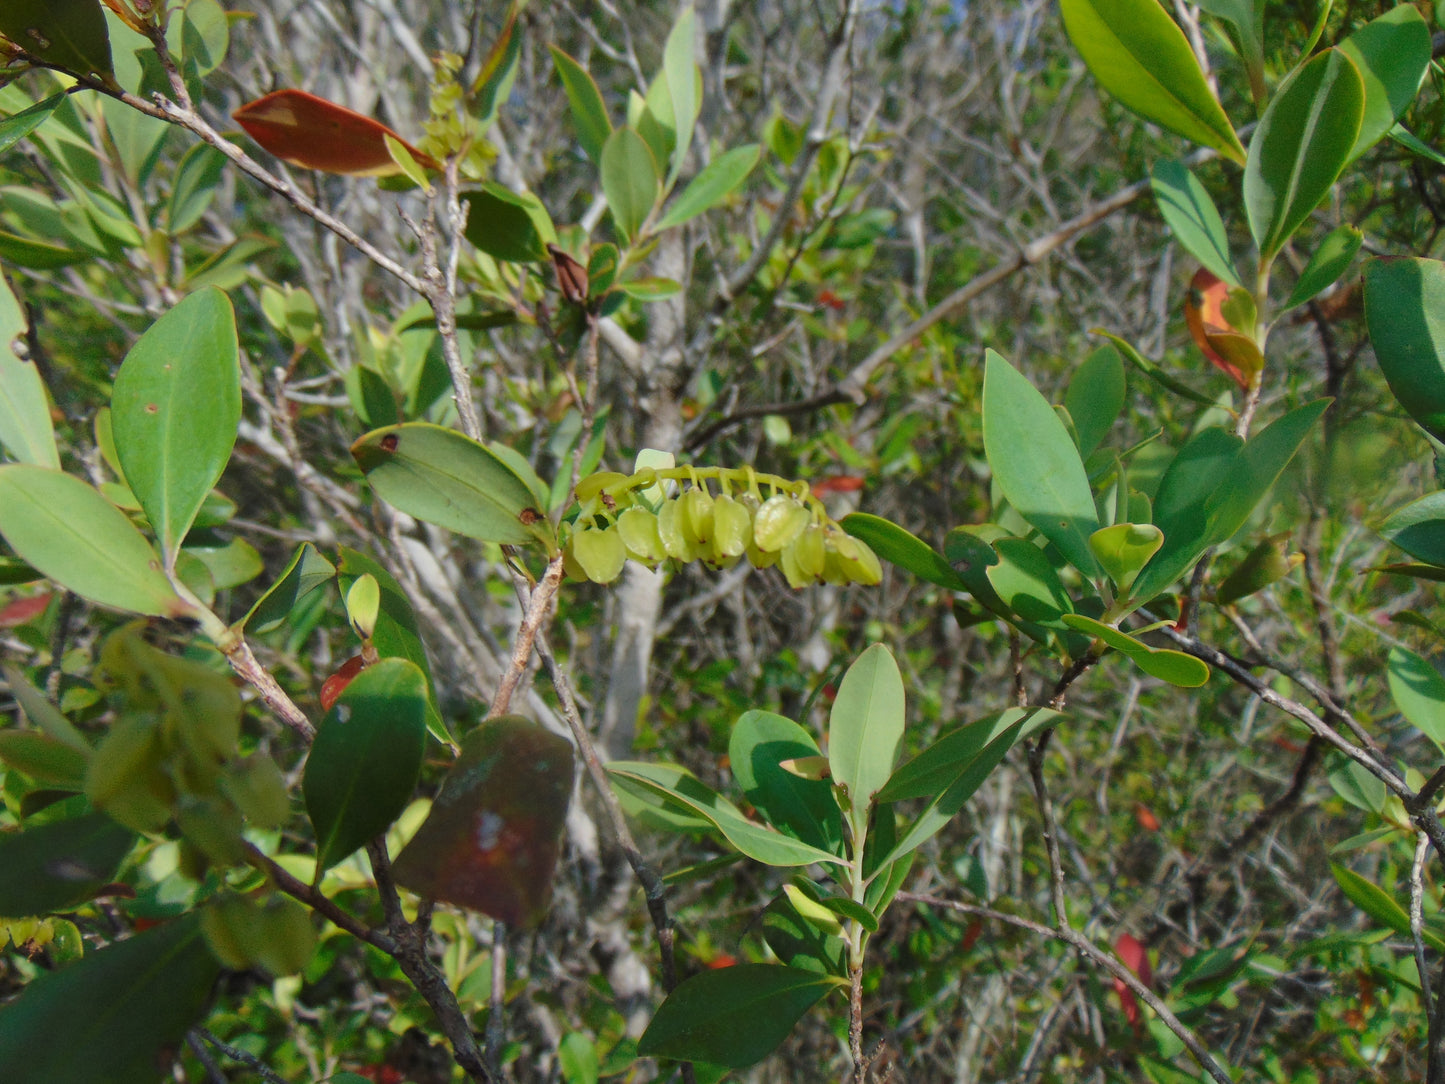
<point>760,518</point>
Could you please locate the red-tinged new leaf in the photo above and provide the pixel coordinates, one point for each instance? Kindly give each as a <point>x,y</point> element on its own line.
<point>310,132</point>
<point>491,841</point>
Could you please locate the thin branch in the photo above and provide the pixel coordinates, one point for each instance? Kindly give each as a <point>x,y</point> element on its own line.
<point>319,902</point>
<point>1098,956</point>
<point>241,1057</point>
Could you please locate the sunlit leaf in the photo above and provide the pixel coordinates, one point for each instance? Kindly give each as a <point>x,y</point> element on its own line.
<point>761,741</point>
<point>865,729</point>
<point>1327,263</point>
<point>26,431</point>
<point>1392,53</point>
<point>1405,311</point>
<point>722,177</point>
<point>17,126</point>
<point>589,113</point>
<point>304,130</point>
<point>1419,693</point>
<point>906,550</point>
<point>1192,216</point>
<point>629,180</point>
<point>1175,667</point>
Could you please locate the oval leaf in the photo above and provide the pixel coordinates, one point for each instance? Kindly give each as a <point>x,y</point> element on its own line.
<point>1192,216</point>
<point>444,477</point>
<point>59,865</point>
<point>494,833</point>
<point>80,540</point>
<point>1405,311</point>
<point>1419,693</point>
<point>1140,56</point>
<point>364,764</point>
<point>1419,528</point>
<point>1175,667</point>
<point>805,808</point>
<point>629,180</point>
<point>1096,396</point>
<point>1392,54</point>
<point>304,130</point>
<point>1303,141</point>
<point>174,412</point>
<point>68,34</point>
<point>507,226</point>
<point>722,177</point>
<point>117,1009</point>
<point>1036,463</point>
<point>1327,264</point>
<point>906,550</point>
<point>865,729</point>
<point>1124,549</point>
<point>26,431</point>
<point>589,113</point>
<point>734,1016</point>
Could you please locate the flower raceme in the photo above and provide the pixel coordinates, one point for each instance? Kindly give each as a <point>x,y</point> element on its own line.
<point>760,518</point>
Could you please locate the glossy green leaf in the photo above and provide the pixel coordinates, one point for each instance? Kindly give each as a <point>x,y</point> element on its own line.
<point>197,177</point>
<point>949,772</point>
<point>442,476</point>
<point>722,177</point>
<point>846,908</point>
<point>59,865</point>
<point>174,412</point>
<point>1301,144</point>
<point>865,729</point>
<point>1192,216</point>
<point>1095,397</point>
<point>26,431</point>
<point>306,571</point>
<point>650,805</point>
<point>1415,145</point>
<point>114,1011</point>
<point>1036,464</point>
<point>1328,262</point>
<point>229,563</point>
<point>1405,311</point>
<point>507,225</point>
<point>1124,549</point>
<point>758,843</point>
<point>589,113</point>
<point>1419,693</point>
<point>17,126</point>
<point>629,180</point>
<point>798,943</point>
<point>1392,54</point>
<point>1140,56</point>
<point>1380,905</point>
<point>1419,528</point>
<point>364,763</point>
<point>396,635</point>
<point>679,69</point>
<point>1247,20</point>
<point>494,834</point>
<point>1175,667</point>
<point>69,34</point>
<point>494,82</point>
<point>1028,585</point>
<point>734,1016</point>
<point>1257,467</point>
<point>804,808</point>
<point>1359,786</point>
<point>906,550</point>
<point>80,540</point>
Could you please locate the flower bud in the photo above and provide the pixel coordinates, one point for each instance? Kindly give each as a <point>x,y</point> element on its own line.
<point>809,551</point>
<point>732,527</point>
<point>779,521</point>
<point>697,513</point>
<point>599,553</point>
<point>638,530</point>
<point>670,529</point>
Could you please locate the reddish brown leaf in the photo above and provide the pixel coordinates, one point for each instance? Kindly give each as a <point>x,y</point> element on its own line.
<point>1145,816</point>
<point>333,686</point>
<point>837,483</point>
<point>310,132</point>
<point>1226,347</point>
<point>491,841</point>
<point>23,609</point>
<point>1133,956</point>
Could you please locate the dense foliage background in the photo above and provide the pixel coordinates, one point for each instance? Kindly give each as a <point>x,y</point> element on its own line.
<point>933,179</point>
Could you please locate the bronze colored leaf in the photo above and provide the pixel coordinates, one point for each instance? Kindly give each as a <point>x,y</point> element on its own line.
<point>310,132</point>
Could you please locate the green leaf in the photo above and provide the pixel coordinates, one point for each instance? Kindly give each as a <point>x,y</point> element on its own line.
<point>589,114</point>
<point>865,730</point>
<point>1175,667</point>
<point>507,225</point>
<point>26,431</point>
<point>1413,143</point>
<point>1328,262</point>
<point>1419,528</point>
<point>951,770</point>
<point>365,761</point>
<point>197,176</point>
<point>680,70</point>
<point>444,477</point>
<point>1124,549</point>
<point>1036,464</point>
<point>47,760</point>
<point>734,1016</point>
<point>1301,144</point>
<point>1096,396</point>
<point>722,177</point>
<point>798,943</point>
<point>1138,54</point>
<point>1405,311</point>
<point>175,410</point>
<point>17,126</point>
<point>494,834</point>
<point>41,711</point>
<point>1359,786</point>
<point>804,808</point>
<point>59,865</point>
<point>38,255</point>
<point>306,571</point>
<point>1380,905</point>
<point>69,34</point>
<point>1392,54</point>
<point>1257,467</point>
<point>80,540</point>
<point>906,550</point>
<point>1419,693</point>
<point>758,843</point>
<point>1267,563</point>
<point>396,635</point>
<point>650,289</point>
<point>494,82</point>
<point>116,1010</point>
<point>1192,216</point>
<point>577,1059</point>
<point>1153,372</point>
<point>629,180</point>
<point>1028,585</point>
